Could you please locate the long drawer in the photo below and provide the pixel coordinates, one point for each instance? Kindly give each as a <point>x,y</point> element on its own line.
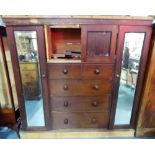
<point>81,104</point>
<point>79,71</point>
<point>79,120</point>
<point>80,87</point>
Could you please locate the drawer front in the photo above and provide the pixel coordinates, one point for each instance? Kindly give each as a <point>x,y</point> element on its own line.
<point>64,71</point>
<point>80,120</point>
<point>81,104</point>
<point>80,87</point>
<point>97,71</point>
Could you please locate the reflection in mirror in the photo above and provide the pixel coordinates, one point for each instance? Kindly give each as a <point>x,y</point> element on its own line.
<point>27,49</point>
<point>128,81</point>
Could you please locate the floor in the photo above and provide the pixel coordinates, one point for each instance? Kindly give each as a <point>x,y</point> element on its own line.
<point>6,133</point>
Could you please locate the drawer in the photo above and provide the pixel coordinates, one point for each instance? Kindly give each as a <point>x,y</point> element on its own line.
<point>97,71</point>
<point>80,87</point>
<point>64,71</point>
<point>79,120</point>
<point>81,104</point>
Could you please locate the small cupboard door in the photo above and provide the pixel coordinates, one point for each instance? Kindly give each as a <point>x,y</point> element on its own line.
<point>29,65</point>
<point>99,43</point>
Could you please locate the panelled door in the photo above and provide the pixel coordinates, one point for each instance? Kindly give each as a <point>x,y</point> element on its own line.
<point>99,43</point>
<point>27,47</point>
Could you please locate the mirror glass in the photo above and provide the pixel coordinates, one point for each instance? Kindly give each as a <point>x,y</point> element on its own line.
<point>132,51</point>
<point>27,49</point>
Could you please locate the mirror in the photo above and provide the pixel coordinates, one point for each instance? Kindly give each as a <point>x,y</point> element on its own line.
<point>132,51</point>
<point>27,50</point>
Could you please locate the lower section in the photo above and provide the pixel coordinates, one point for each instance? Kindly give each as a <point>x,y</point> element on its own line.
<point>62,120</point>
<point>129,133</point>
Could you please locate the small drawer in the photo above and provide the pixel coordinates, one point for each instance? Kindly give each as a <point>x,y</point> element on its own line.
<point>81,104</point>
<point>79,120</point>
<point>80,87</point>
<point>64,71</point>
<point>93,71</point>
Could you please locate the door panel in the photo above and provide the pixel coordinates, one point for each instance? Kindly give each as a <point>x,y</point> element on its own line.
<point>131,61</point>
<point>99,43</point>
<point>29,60</point>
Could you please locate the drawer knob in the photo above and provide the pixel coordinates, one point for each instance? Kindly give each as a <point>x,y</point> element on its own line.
<point>96,87</point>
<point>97,71</point>
<point>65,71</point>
<point>94,104</point>
<point>66,104</point>
<point>65,87</point>
<point>93,120</point>
<point>65,121</point>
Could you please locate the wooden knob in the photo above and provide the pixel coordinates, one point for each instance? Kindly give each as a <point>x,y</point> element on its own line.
<point>65,87</point>
<point>65,71</point>
<point>66,121</point>
<point>94,104</point>
<point>97,71</point>
<point>96,87</point>
<point>66,104</point>
<point>93,120</point>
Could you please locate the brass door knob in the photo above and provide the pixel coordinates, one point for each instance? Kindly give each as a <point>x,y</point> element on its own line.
<point>65,71</point>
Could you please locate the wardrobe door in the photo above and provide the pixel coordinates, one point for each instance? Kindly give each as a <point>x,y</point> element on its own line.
<point>29,64</point>
<point>131,61</point>
<point>99,43</point>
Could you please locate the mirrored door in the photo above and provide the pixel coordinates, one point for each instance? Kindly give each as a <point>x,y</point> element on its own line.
<point>28,56</point>
<point>130,69</point>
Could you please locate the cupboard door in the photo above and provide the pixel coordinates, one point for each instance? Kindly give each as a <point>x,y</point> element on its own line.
<point>132,54</point>
<point>29,64</point>
<point>99,43</point>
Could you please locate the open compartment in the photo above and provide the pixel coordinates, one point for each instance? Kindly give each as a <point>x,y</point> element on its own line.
<point>64,44</point>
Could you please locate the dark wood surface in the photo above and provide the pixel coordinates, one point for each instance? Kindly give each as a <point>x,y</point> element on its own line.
<point>80,120</point>
<point>99,43</point>
<point>81,104</point>
<point>64,71</point>
<point>80,87</point>
<point>97,71</point>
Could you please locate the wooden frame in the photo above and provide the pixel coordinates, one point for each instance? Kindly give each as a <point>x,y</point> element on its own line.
<point>122,30</point>
<point>42,59</point>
